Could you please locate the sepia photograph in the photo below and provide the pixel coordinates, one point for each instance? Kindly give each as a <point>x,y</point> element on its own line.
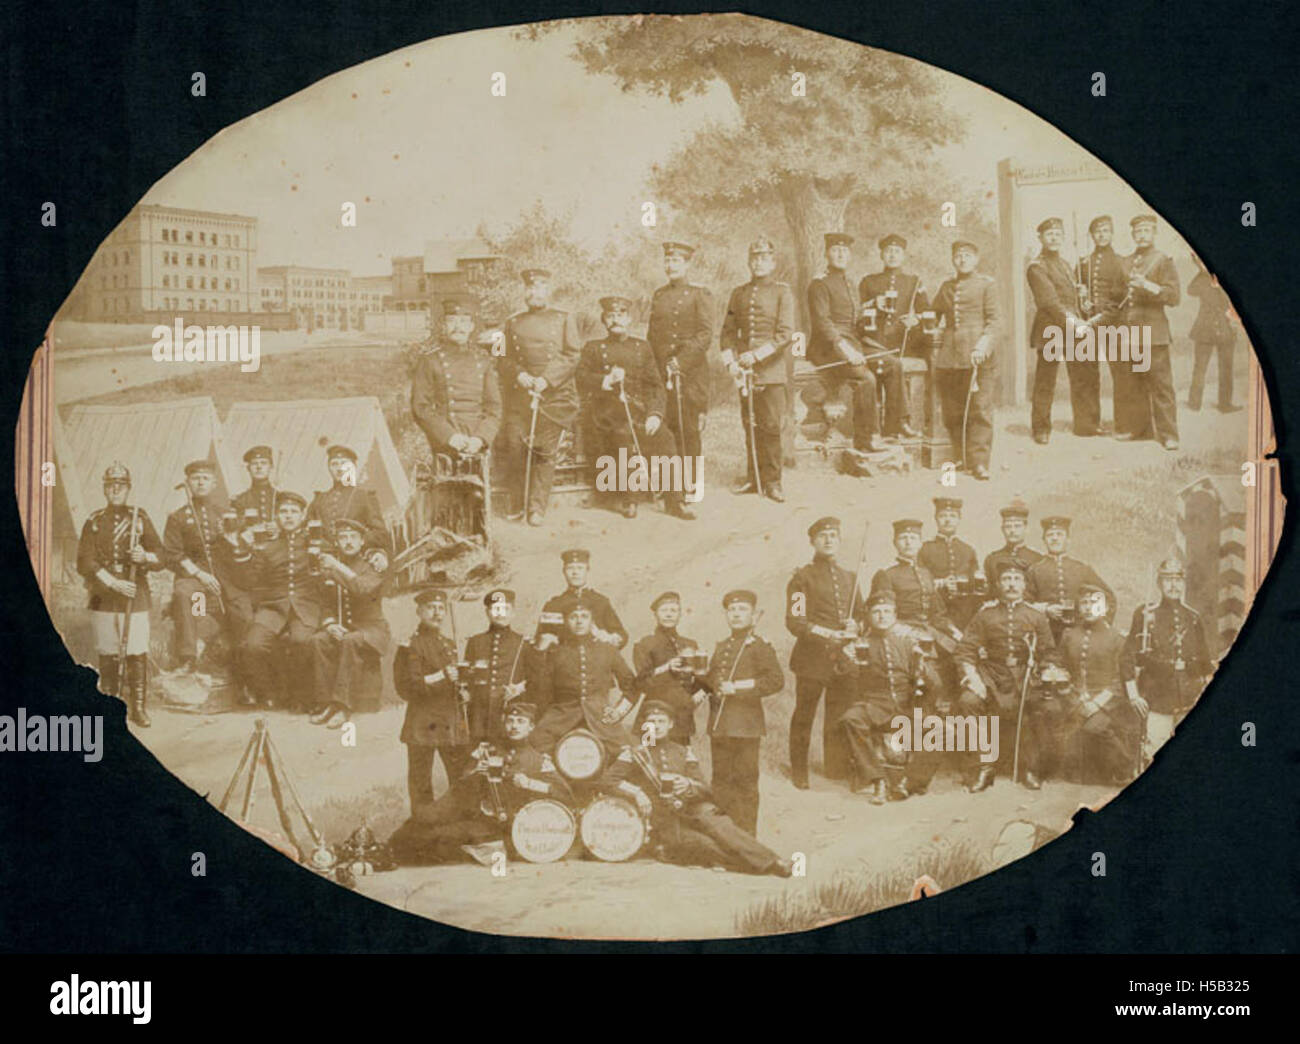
<point>648,478</point>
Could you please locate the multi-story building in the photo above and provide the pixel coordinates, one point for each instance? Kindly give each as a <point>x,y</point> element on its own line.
<point>169,261</point>
<point>321,298</point>
<point>449,268</point>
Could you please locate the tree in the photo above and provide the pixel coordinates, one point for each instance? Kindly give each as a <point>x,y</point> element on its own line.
<point>820,120</point>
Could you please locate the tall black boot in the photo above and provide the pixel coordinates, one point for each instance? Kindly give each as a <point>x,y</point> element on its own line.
<point>110,676</point>
<point>137,679</point>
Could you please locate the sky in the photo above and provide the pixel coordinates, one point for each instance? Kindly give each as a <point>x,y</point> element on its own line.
<point>419,143</point>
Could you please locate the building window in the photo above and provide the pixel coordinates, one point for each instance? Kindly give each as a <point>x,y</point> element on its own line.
<point>189,283</point>
<point>189,237</point>
<point>227,284</point>
<point>202,305</point>
<point>189,259</point>
<point>202,238</point>
<point>202,261</point>
<point>166,281</point>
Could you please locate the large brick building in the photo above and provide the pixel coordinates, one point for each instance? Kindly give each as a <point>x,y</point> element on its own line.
<point>448,268</point>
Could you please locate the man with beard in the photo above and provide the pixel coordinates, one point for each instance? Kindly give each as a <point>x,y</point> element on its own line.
<point>680,332</point>
<point>819,604</point>
<point>541,399</point>
<point>661,669</point>
<point>118,548</point>
<point>455,390</point>
<point>758,328</point>
<point>952,562</point>
<point>623,405</point>
<point>1003,643</point>
<point>354,634</point>
<point>499,663</point>
<point>663,777</point>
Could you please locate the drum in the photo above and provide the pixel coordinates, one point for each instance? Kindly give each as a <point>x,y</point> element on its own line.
<point>543,831</point>
<point>579,755</point>
<point>612,829</point>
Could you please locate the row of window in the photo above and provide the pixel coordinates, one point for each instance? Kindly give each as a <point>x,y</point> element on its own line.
<point>205,261</point>
<point>169,281</point>
<point>203,306</point>
<point>171,235</point>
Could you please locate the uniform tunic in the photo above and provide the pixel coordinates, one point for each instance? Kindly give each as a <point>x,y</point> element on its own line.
<point>760,319</point>
<point>354,502</point>
<point>966,306</point>
<point>1149,406</point>
<point>497,658</point>
<point>949,558</point>
<point>435,721</point>
<point>192,541</point>
<point>681,328</point>
<point>1100,735</point>
<point>910,296</point>
<point>575,683</point>
<point>342,668</point>
<point>1052,283</point>
<point>454,391</point>
<point>1056,580</point>
<point>105,544</point>
<point>260,496</point>
<point>1213,333</point>
<point>1167,642</point>
<point>650,658</point>
<point>555,609</point>
<point>890,669</point>
<point>919,601</point>
<point>1022,554</point>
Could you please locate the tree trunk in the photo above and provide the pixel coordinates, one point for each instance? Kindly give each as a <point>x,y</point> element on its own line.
<point>809,213</point>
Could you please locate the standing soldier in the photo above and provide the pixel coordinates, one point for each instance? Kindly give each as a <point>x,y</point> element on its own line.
<point>743,671</point>
<point>819,603</point>
<point>1213,333</point>
<point>1101,274</point>
<point>966,309</point>
<point>1053,583</point>
<point>623,402</point>
<point>436,717</point>
<point>541,400</point>
<point>256,504</point>
<point>758,328</point>
<point>498,663</point>
<point>893,676</point>
<point>952,562</point>
<point>995,656</point>
<point>605,626</point>
<point>1168,645</point>
<point>1052,283</point>
<point>353,628</point>
<point>1152,287</point>
<point>1101,742</point>
<point>919,602</point>
<point>285,591</point>
<point>664,663</point>
<point>346,499</point>
<point>1015,520</point>
<point>194,551</point>
<point>118,548</point>
<point>834,348</point>
<point>680,332</point>
<point>897,297</point>
<point>455,390</point>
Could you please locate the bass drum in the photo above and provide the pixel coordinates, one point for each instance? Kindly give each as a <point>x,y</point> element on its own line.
<point>543,831</point>
<point>579,755</point>
<point>612,829</point>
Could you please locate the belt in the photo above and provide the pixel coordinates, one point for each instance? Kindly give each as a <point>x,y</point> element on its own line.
<point>1091,704</point>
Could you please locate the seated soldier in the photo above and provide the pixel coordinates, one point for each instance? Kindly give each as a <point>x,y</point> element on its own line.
<point>480,804</point>
<point>686,827</point>
<point>892,677</point>
<point>354,634</point>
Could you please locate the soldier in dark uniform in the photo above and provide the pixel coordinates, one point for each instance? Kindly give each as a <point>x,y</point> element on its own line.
<point>118,548</point>
<point>623,404</point>
<point>919,601</point>
<point>743,671</point>
<point>455,389</point>
<point>756,332</point>
<point>541,353</point>
<point>663,777</point>
<point>893,676</point>
<point>347,499</point>
<point>834,347</point>
<point>499,661</point>
<point>353,628</point>
<point>194,551</point>
<point>661,670</point>
<point>1015,520</point>
<point>819,604</point>
<point>994,655</point>
<point>285,592</point>
<point>1103,723</point>
<point>606,626</point>
<point>1056,300</point>
<point>437,719</point>
<point>1105,283</point>
<point>477,809</point>
<point>1152,287</point>
<point>680,332</point>
<point>583,682</point>
<point>953,563</point>
<point>259,497</point>
<point>964,363</point>
<point>1053,583</point>
<point>1213,334</point>
<point>1169,648</point>
<point>896,297</point>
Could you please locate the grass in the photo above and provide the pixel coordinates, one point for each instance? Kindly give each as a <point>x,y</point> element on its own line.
<point>852,893</point>
<point>384,808</point>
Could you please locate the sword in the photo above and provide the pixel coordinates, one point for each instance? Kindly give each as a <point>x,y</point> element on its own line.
<point>124,644</point>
